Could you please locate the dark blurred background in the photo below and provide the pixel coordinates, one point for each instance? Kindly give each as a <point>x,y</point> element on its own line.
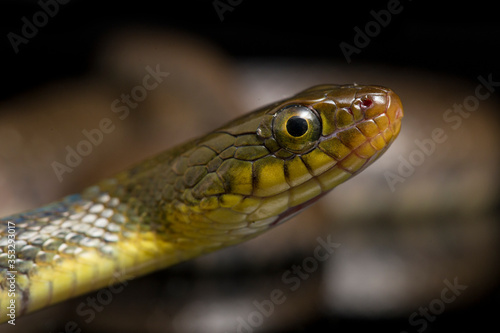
<point>449,46</point>
<point>457,39</point>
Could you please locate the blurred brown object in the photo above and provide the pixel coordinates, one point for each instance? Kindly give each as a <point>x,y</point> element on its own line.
<point>397,244</point>
<point>35,129</point>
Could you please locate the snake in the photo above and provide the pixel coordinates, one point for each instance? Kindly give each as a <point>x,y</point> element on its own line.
<point>214,191</point>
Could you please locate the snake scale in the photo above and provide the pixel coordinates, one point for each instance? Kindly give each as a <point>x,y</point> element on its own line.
<point>212,192</point>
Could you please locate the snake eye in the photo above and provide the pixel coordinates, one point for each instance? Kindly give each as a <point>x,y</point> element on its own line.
<point>296,128</point>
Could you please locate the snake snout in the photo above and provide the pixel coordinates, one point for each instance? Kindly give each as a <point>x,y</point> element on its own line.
<point>394,106</point>
<point>394,112</point>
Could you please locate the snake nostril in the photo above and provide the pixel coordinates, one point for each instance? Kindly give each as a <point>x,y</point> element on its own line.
<point>366,103</point>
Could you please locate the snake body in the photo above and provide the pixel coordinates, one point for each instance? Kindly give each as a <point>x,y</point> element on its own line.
<point>214,191</point>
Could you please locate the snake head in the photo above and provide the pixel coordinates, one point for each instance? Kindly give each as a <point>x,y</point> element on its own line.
<point>321,137</point>
<point>267,165</point>
<point>331,131</point>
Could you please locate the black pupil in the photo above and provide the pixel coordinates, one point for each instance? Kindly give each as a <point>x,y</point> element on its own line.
<point>296,126</point>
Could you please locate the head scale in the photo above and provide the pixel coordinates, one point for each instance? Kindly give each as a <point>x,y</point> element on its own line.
<point>261,168</point>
